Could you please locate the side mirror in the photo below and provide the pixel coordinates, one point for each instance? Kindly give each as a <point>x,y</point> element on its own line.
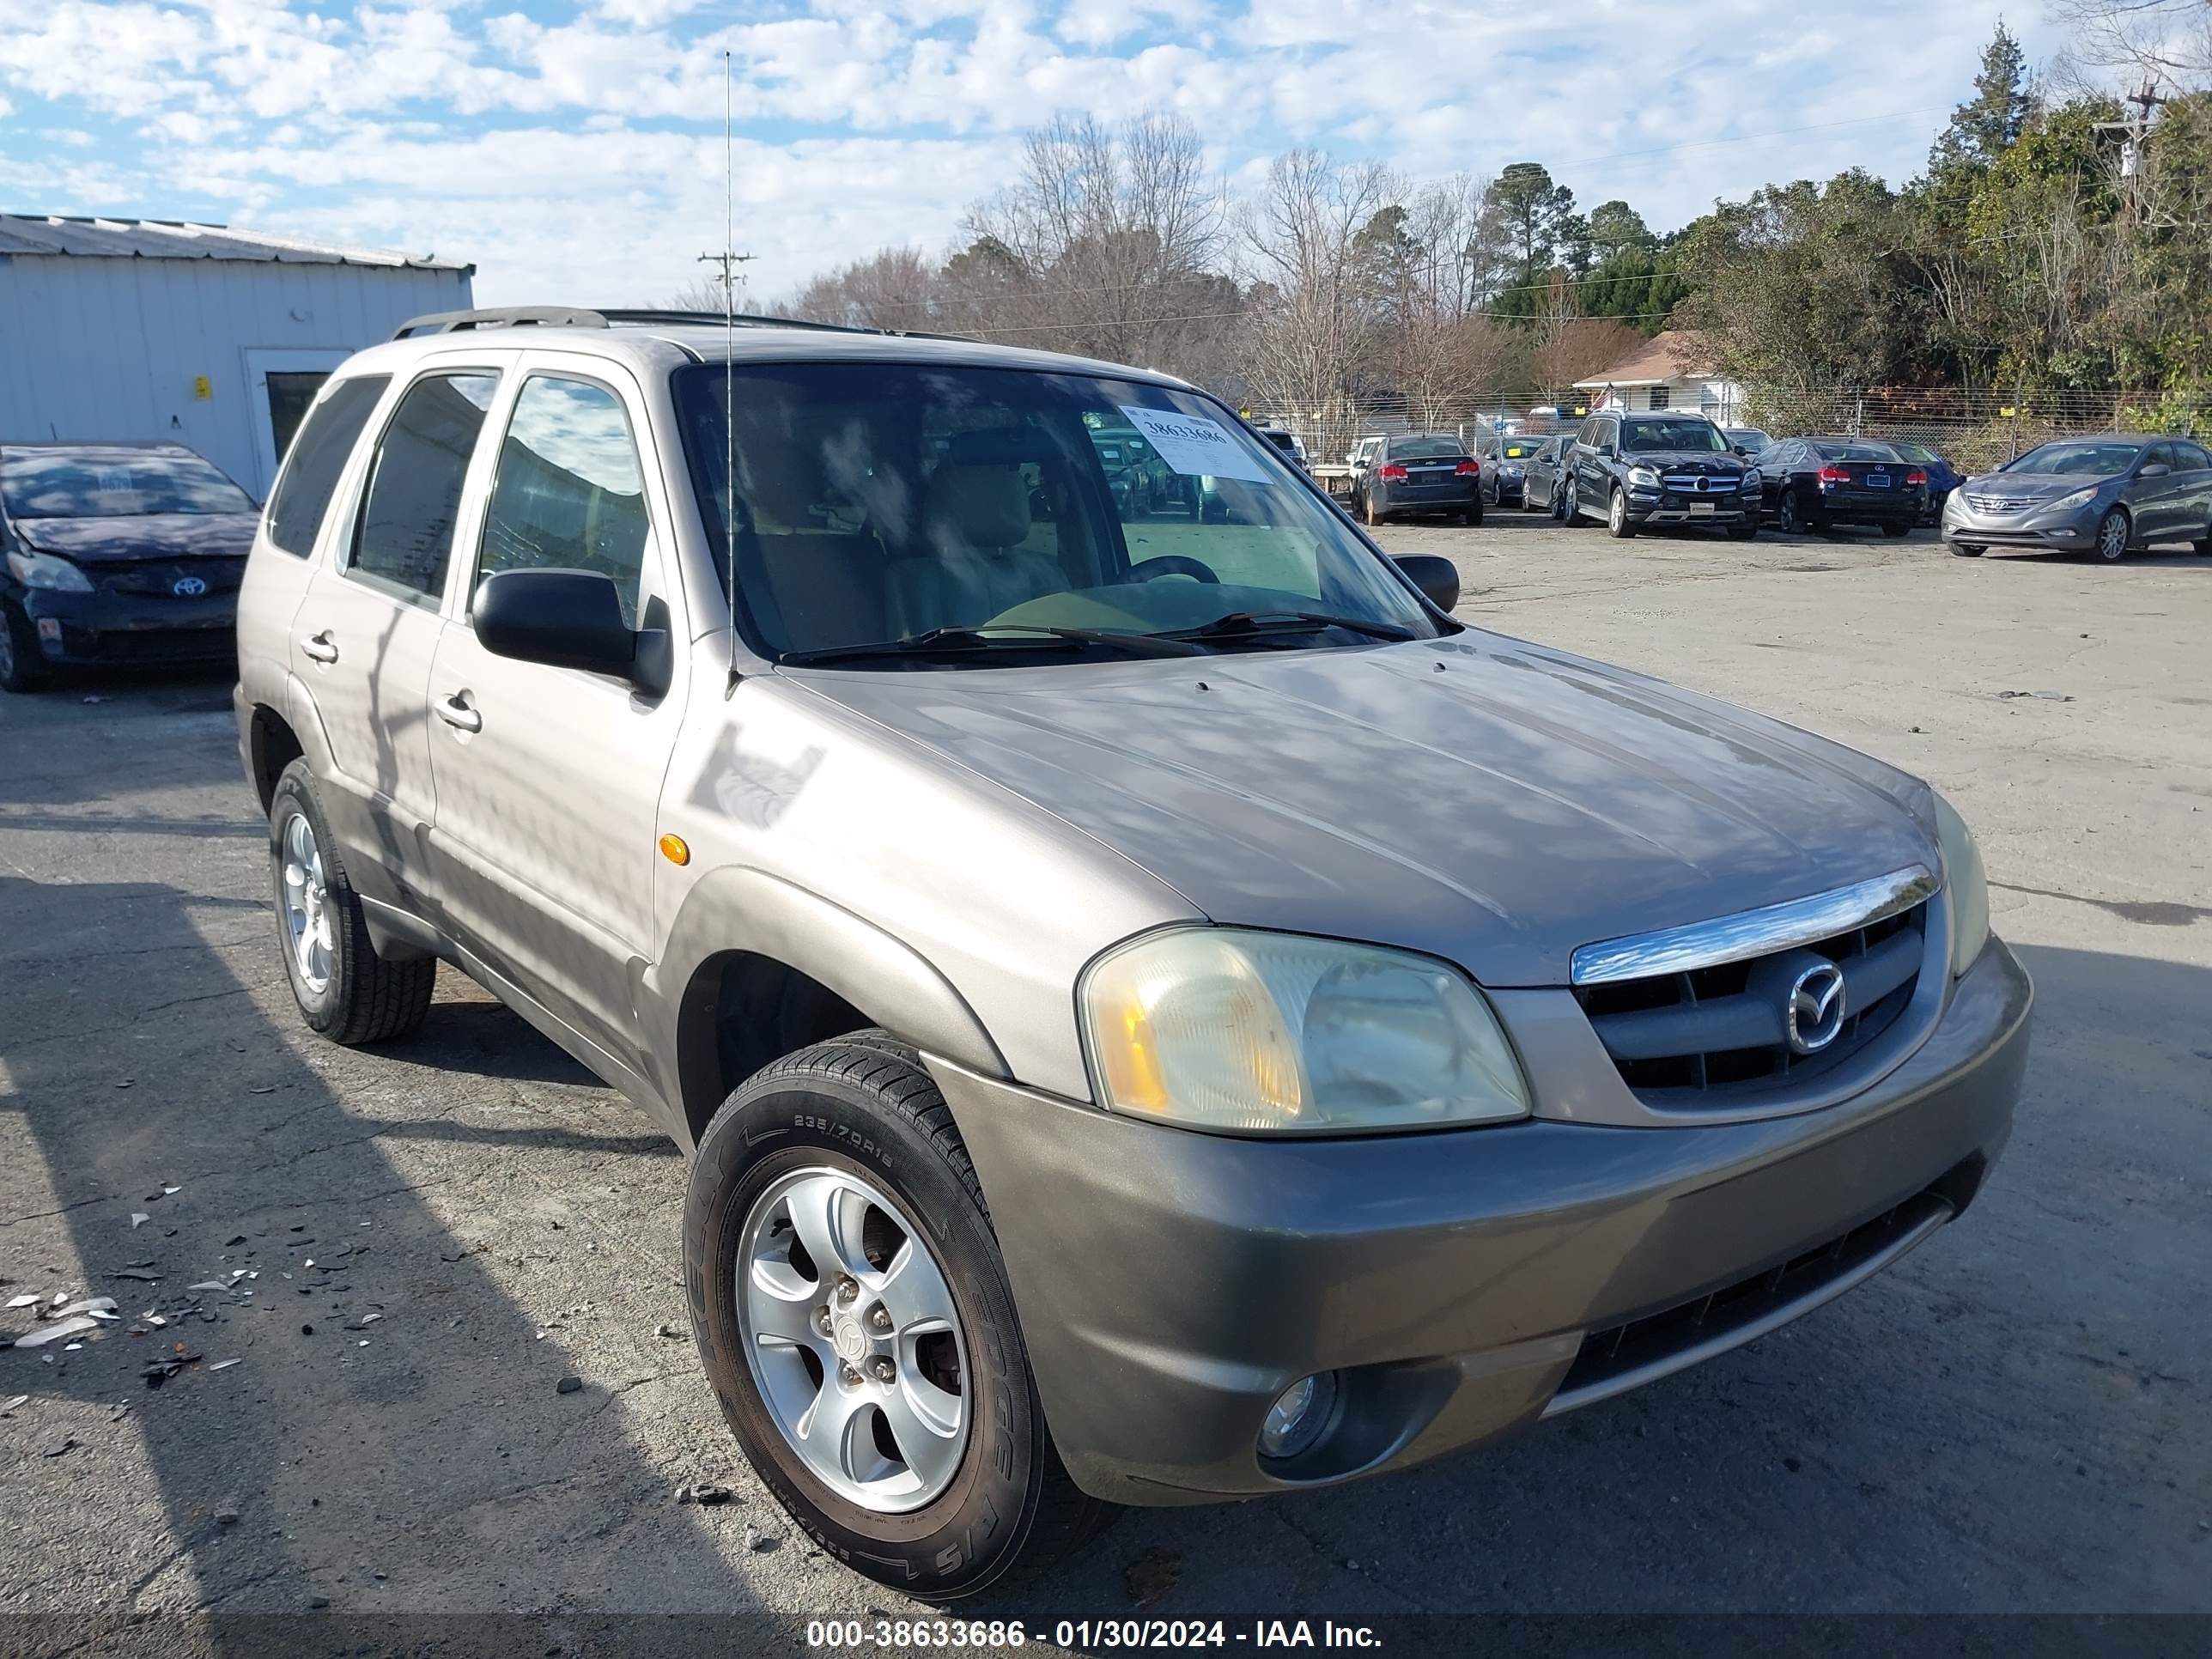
<point>1436,577</point>
<point>2155,470</point>
<point>569,619</point>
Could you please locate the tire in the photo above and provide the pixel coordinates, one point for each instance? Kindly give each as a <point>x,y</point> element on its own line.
<point>1472,518</point>
<point>2204,543</point>
<point>361,997</point>
<point>1374,519</point>
<point>2113,532</point>
<point>1571,507</point>
<point>859,1112</point>
<point>1742,532</point>
<point>1529,500</point>
<point>1968,550</point>
<point>1617,525</point>
<point>1895,529</point>
<point>21,669</point>
<point>1788,517</point>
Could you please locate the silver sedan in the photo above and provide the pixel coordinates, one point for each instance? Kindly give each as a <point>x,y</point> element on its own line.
<point>2108,495</point>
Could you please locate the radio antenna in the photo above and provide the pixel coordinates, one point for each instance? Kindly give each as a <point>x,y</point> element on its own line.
<point>729,259</point>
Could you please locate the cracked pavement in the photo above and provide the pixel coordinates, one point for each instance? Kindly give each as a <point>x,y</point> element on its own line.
<point>2016,1417</point>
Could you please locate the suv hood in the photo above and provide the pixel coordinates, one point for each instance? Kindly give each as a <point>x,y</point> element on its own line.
<point>1685,460</point>
<point>1486,801</point>
<point>142,536</point>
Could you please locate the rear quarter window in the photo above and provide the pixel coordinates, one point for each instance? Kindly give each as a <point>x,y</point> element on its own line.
<point>317,455</point>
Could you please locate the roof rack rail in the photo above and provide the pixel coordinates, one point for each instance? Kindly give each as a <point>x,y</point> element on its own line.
<point>451,322</point>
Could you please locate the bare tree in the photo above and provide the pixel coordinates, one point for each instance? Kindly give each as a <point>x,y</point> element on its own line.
<point>2168,41</point>
<point>1107,245</point>
<point>702,293</point>
<point>898,288</point>
<point>1311,326</point>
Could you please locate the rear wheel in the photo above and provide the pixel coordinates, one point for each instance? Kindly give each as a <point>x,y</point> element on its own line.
<point>854,1318</point>
<point>2113,532</point>
<point>1742,532</point>
<point>20,667</point>
<point>1895,529</point>
<point>1788,517</point>
<point>1617,525</point>
<point>1373,517</point>
<point>1472,515</point>
<point>344,989</point>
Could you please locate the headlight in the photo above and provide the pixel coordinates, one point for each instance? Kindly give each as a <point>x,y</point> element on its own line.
<point>43,570</point>
<point>2079,498</point>
<point>1643,477</point>
<point>1274,1033</point>
<point>1751,478</point>
<point>1967,885</point>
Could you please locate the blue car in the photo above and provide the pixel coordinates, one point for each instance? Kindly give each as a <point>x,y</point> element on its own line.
<point>1943,477</point>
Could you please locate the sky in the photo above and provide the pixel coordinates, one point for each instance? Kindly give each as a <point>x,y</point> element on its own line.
<point>574,152</point>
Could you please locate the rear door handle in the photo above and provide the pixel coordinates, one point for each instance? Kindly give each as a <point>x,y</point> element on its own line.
<point>456,713</point>
<point>320,646</point>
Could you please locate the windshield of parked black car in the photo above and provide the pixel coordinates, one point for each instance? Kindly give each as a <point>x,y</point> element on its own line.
<point>1650,437</point>
<point>112,483</point>
<point>888,503</point>
<point>2086,460</point>
<point>1426,449</point>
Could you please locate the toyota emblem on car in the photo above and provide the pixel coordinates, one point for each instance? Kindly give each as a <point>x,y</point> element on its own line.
<point>189,587</point>
<point>1814,1011</point>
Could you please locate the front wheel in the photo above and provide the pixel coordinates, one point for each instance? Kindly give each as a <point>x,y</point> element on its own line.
<point>1618,523</point>
<point>1571,505</point>
<point>854,1317</point>
<point>1895,529</point>
<point>1743,533</point>
<point>21,666</point>
<point>2113,532</point>
<point>1968,550</point>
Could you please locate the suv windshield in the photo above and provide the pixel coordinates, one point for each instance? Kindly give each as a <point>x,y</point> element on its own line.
<point>1426,449</point>
<point>101,482</point>
<point>1649,437</point>
<point>894,503</point>
<point>2090,460</point>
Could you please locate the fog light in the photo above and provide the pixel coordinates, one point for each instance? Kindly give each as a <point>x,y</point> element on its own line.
<point>1299,1416</point>
<point>50,629</point>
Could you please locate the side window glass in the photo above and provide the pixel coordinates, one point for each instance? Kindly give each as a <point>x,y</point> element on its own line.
<point>570,494</point>
<point>2193,458</point>
<point>317,455</point>
<point>405,531</point>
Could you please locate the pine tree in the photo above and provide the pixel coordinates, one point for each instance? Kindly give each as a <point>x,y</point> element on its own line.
<point>1989,124</point>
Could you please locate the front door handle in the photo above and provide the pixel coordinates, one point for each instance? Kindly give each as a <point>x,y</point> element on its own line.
<point>321,647</point>
<point>456,712</point>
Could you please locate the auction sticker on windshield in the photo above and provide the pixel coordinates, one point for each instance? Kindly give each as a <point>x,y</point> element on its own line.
<point>1195,445</point>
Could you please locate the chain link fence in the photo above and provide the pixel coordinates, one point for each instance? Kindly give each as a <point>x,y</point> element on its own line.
<point>1974,429</point>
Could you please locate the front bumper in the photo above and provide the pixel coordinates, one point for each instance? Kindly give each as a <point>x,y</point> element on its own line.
<point>2075,529</point>
<point>1171,1283</point>
<point>1651,507</point>
<point>116,628</point>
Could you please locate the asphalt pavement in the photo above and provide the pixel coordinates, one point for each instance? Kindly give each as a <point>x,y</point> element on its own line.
<point>406,1251</point>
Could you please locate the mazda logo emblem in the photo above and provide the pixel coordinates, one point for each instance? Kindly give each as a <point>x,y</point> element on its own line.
<point>1813,1014</point>
<point>189,587</point>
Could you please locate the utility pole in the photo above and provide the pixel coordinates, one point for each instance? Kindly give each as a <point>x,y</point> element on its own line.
<point>729,260</point>
<point>2135,147</point>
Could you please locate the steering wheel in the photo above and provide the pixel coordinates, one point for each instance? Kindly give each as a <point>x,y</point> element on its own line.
<point>1171,564</point>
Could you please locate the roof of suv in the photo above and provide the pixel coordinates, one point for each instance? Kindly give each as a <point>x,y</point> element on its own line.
<point>659,346</point>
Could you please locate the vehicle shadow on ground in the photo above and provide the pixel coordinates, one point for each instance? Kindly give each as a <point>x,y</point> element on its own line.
<point>392,1436</point>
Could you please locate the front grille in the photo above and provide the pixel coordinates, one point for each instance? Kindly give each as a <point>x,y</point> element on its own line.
<point>2000,503</point>
<point>159,579</point>
<point>1707,1036</point>
<point>1702,483</point>
<point>1623,1357</point>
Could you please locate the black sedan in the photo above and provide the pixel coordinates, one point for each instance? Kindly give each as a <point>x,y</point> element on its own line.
<point>116,553</point>
<point>1420,473</point>
<point>1823,484</point>
<point>1546,469</point>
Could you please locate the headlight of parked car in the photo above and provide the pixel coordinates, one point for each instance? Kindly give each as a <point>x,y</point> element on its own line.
<point>43,570</point>
<point>1643,477</point>
<point>1276,1033</point>
<point>1751,478</point>
<point>1968,885</point>
<point>2079,498</point>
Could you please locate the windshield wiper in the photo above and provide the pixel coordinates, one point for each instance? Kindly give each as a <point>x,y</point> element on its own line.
<point>1245,624</point>
<point>970,642</point>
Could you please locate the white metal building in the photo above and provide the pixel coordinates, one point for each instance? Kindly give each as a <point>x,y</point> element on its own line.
<point>140,329</point>
<point>1671,370</point>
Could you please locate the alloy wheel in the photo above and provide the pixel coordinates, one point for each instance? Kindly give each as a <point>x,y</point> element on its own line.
<point>1618,514</point>
<point>308,921</point>
<point>2113,538</point>
<point>853,1340</point>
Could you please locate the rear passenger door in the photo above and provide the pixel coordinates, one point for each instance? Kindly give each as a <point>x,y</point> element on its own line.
<point>548,779</point>
<point>2195,494</point>
<point>368,626</point>
<point>2159,503</point>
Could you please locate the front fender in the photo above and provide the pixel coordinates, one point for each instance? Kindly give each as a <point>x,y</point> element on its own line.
<point>742,909</point>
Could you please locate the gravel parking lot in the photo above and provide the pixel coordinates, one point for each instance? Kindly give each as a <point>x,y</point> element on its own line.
<point>2019,1416</point>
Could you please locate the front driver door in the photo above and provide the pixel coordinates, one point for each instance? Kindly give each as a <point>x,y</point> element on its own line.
<point>548,779</point>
